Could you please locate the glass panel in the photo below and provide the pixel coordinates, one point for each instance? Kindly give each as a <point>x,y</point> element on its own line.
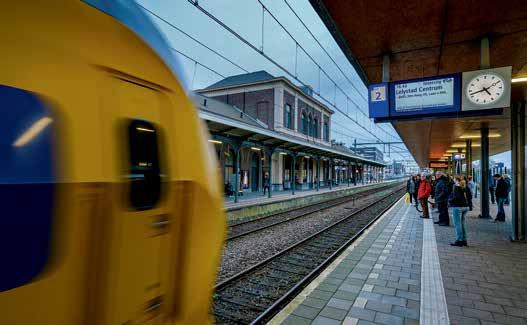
<point>27,186</point>
<point>145,176</point>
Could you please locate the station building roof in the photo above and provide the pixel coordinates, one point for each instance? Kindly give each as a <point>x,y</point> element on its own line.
<point>228,122</point>
<point>427,38</point>
<point>257,78</point>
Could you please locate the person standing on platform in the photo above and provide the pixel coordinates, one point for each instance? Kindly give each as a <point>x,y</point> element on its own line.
<point>423,193</point>
<point>416,184</point>
<point>442,193</point>
<point>460,200</point>
<point>492,190</point>
<point>507,179</point>
<point>266,183</point>
<point>502,192</point>
<point>410,187</point>
<point>471,186</point>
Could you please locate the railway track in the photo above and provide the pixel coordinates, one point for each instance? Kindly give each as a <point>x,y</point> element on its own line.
<point>254,295</point>
<point>245,228</point>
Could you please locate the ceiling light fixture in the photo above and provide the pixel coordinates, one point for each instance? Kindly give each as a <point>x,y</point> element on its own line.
<point>477,136</point>
<point>519,79</point>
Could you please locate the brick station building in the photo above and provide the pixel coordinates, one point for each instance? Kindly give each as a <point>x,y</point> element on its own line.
<point>275,133</point>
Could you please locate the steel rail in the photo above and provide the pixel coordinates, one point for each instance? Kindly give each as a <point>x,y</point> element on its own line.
<point>337,202</point>
<point>275,307</point>
<point>243,273</point>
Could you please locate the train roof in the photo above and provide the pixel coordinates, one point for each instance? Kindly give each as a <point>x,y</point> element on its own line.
<point>130,14</point>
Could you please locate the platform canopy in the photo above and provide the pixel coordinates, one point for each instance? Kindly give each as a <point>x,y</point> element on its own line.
<point>424,38</point>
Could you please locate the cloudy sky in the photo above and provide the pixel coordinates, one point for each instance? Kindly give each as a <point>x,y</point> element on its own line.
<point>179,17</point>
<point>245,17</point>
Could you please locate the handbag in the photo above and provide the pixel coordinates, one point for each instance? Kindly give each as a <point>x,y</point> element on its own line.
<point>407,198</point>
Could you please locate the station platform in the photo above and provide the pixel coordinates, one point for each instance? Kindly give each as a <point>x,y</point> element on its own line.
<point>256,198</point>
<point>404,271</point>
<point>258,205</point>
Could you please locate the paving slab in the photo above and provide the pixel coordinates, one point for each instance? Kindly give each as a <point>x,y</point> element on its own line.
<point>404,271</point>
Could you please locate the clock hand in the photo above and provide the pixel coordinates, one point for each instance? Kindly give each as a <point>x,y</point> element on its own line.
<point>486,90</point>
<point>494,84</point>
<point>477,92</point>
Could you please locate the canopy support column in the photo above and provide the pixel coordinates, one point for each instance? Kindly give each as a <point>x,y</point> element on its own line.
<point>485,173</point>
<point>293,178</point>
<point>518,170</point>
<point>468,150</point>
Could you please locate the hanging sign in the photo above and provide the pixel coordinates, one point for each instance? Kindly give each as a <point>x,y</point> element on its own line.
<point>378,100</point>
<point>438,164</point>
<point>426,96</point>
<point>458,156</point>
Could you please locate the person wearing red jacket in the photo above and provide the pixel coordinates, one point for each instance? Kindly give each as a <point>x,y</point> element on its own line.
<point>422,195</point>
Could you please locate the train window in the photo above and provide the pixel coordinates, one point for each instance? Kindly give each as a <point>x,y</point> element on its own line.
<point>27,186</point>
<point>145,175</point>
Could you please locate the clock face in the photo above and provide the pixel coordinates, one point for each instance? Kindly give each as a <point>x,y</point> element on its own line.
<point>485,88</point>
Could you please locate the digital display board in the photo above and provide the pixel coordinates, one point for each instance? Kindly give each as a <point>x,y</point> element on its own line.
<point>438,165</point>
<point>426,96</point>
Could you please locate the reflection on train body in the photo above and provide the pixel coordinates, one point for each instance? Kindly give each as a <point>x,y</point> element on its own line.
<point>111,212</point>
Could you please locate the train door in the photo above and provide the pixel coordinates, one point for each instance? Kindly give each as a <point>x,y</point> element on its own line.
<point>136,117</point>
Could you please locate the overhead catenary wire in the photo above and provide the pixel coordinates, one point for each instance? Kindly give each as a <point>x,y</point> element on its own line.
<point>194,39</point>
<point>273,61</point>
<point>318,66</point>
<point>197,62</point>
<point>324,49</point>
<point>261,52</point>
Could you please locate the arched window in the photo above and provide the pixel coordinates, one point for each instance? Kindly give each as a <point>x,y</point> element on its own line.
<point>315,128</point>
<point>326,131</point>
<point>309,125</point>
<point>304,123</point>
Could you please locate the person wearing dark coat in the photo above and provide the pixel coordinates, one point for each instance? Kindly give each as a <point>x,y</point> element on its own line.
<point>460,200</point>
<point>266,184</point>
<point>417,181</point>
<point>442,193</point>
<point>502,193</point>
<point>509,185</point>
<point>410,187</point>
<point>492,190</point>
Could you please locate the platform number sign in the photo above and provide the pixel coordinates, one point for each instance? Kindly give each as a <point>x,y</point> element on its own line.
<point>378,100</point>
<point>378,94</point>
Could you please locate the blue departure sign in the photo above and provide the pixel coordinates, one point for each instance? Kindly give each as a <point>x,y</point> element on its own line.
<point>426,96</point>
<point>378,100</point>
<point>416,98</point>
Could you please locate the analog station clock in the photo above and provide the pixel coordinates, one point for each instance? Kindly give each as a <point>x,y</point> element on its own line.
<point>485,88</point>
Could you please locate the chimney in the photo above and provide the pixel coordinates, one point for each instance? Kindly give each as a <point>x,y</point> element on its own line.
<point>308,90</point>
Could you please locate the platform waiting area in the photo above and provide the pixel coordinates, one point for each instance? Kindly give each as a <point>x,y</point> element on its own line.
<point>403,270</point>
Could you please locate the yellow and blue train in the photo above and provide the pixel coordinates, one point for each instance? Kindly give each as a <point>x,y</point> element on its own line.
<point>110,209</point>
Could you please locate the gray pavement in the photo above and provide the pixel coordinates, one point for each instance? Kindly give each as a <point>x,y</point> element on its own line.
<point>485,283</point>
<point>386,277</point>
